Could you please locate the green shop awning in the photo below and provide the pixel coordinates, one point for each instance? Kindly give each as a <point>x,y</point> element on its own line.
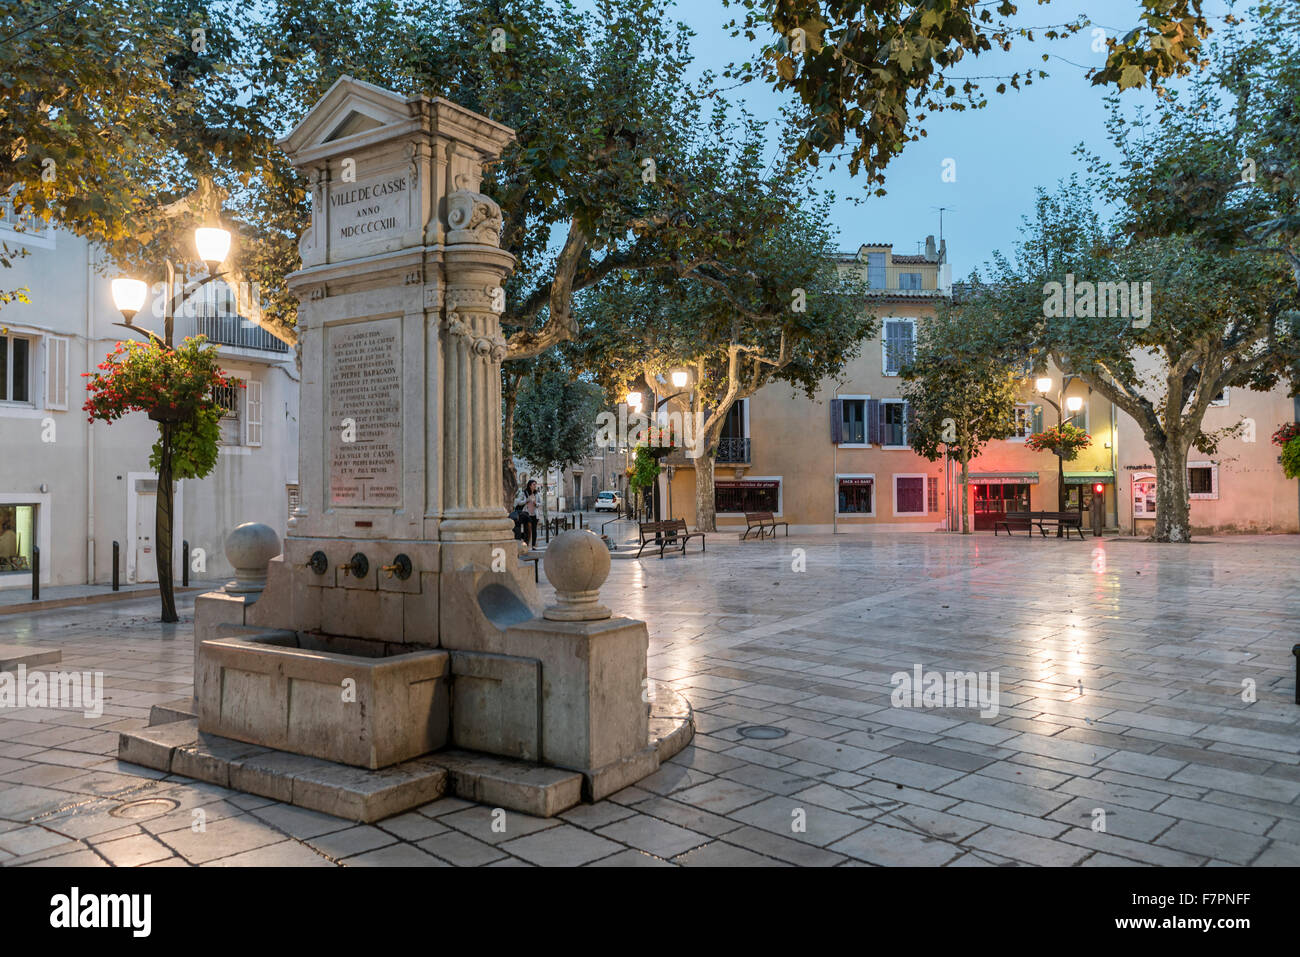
<point>1003,478</point>
<point>1087,478</point>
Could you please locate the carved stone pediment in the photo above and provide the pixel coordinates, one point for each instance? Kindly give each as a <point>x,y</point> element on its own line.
<point>473,218</point>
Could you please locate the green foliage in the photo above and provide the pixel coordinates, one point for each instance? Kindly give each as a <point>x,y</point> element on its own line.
<point>1220,158</point>
<point>961,395</point>
<point>175,387</point>
<point>865,69</point>
<point>645,469</point>
<point>195,445</point>
<point>555,419</point>
<point>1065,440</point>
<point>1291,459</point>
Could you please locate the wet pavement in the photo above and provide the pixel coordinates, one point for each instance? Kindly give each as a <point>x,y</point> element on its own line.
<point>1110,703</point>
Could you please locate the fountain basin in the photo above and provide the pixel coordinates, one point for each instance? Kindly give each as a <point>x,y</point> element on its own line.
<point>363,703</point>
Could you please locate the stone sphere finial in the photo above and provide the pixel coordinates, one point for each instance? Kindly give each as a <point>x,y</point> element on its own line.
<point>577,564</point>
<point>250,548</point>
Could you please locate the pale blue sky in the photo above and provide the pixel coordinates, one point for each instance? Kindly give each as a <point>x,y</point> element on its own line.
<point>1021,140</point>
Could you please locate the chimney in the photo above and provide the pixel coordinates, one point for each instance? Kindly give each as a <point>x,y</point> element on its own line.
<point>930,252</point>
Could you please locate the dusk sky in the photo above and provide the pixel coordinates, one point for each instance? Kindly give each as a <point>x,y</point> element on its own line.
<point>1021,140</point>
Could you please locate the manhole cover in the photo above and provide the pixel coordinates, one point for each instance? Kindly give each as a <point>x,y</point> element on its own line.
<point>765,731</point>
<point>137,810</point>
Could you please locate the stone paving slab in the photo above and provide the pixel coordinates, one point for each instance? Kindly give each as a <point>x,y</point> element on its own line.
<point>1120,690</point>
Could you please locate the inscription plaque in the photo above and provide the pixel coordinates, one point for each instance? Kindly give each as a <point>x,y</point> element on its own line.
<point>363,368</point>
<point>368,210</point>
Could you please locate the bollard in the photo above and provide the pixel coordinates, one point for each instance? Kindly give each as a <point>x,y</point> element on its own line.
<point>185,568</point>
<point>116,549</point>
<point>36,573</point>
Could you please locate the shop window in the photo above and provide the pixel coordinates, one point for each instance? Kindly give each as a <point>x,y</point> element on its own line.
<point>756,496</point>
<point>856,495</point>
<point>1144,496</point>
<point>17,535</point>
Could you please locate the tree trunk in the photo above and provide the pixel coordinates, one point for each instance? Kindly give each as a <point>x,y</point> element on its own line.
<point>1173,502</point>
<point>706,517</point>
<point>965,495</point>
<point>162,527</point>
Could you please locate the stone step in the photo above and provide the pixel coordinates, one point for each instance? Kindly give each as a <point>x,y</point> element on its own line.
<point>11,656</point>
<point>182,709</point>
<point>175,745</point>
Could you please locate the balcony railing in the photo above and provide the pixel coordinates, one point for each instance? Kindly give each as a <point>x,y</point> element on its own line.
<point>733,450</point>
<point>231,330</point>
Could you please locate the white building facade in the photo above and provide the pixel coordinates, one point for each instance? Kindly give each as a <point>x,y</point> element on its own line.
<point>71,487</point>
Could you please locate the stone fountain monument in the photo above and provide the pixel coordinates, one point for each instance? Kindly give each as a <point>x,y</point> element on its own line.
<point>396,648</point>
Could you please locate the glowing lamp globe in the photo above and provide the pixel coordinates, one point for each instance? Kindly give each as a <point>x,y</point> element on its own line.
<point>129,295</point>
<point>634,400</point>
<point>1043,384</point>
<point>679,380</point>
<point>1074,403</point>
<point>213,244</point>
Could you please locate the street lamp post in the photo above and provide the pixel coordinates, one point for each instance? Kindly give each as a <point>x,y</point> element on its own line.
<point>212,243</point>
<point>1074,403</point>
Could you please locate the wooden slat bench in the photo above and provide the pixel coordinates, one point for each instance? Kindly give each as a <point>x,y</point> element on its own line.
<point>671,533</point>
<point>1021,521</point>
<point>764,522</point>
<point>1065,521</point>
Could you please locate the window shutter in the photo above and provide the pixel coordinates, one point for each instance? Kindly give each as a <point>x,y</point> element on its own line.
<point>253,399</point>
<point>56,373</point>
<point>837,421</point>
<point>1038,419</point>
<point>909,421</point>
<point>874,413</point>
<point>932,493</point>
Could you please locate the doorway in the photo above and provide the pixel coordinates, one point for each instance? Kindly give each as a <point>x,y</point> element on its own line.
<point>141,514</point>
<point>146,511</point>
<point>992,502</point>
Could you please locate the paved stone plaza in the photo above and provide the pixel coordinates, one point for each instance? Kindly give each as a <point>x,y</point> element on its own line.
<point>1120,667</point>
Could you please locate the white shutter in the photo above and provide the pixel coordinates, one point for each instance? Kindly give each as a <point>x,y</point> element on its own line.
<point>56,373</point>
<point>253,399</point>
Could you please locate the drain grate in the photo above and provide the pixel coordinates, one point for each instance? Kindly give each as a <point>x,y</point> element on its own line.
<point>139,810</point>
<point>762,731</point>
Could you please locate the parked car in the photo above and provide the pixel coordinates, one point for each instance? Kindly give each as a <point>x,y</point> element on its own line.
<point>608,502</point>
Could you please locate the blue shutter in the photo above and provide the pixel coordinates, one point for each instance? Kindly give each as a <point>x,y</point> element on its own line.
<point>1038,419</point>
<point>837,421</point>
<point>873,413</point>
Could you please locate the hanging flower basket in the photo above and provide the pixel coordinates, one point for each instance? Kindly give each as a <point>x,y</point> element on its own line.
<point>1286,433</point>
<point>1066,440</point>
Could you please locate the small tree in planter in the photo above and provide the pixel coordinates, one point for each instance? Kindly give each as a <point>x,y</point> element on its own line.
<point>177,389</point>
<point>1066,440</point>
<point>645,470</point>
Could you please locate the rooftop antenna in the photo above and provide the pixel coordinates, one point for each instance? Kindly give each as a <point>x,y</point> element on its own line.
<point>941,210</point>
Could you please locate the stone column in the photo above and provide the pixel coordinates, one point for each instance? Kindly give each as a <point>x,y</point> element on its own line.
<point>473,347</point>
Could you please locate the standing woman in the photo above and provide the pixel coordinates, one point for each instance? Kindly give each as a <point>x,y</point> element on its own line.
<point>530,512</point>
